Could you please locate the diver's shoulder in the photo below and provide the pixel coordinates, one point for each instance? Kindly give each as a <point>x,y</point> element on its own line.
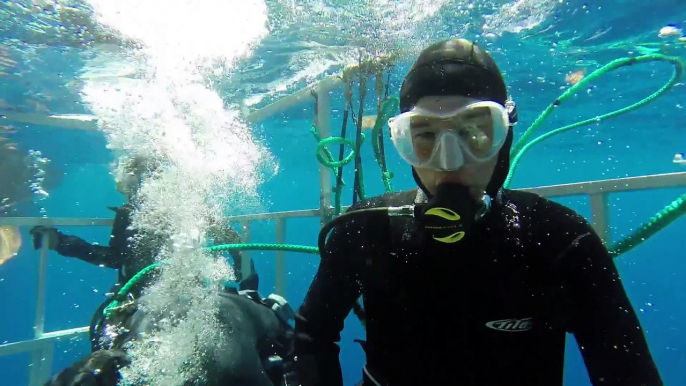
<point>543,211</point>
<point>389,199</point>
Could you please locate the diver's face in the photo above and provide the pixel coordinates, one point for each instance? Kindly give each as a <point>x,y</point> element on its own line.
<point>474,175</point>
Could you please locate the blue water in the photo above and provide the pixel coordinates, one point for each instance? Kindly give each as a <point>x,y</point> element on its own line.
<point>639,143</point>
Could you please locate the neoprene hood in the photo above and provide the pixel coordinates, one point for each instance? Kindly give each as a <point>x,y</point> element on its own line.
<point>459,67</point>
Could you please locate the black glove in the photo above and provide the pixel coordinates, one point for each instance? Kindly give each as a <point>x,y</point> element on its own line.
<point>100,368</point>
<point>38,232</point>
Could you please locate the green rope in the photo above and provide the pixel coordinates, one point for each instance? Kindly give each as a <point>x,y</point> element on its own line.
<point>360,171</point>
<point>673,211</point>
<point>325,157</point>
<point>522,147</point>
<point>329,161</point>
<point>265,247</point>
<point>664,217</point>
<point>388,108</point>
<point>127,288</point>
<point>116,303</point>
<point>324,154</point>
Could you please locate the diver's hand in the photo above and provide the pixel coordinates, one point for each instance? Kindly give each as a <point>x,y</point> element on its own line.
<point>100,368</point>
<point>38,232</point>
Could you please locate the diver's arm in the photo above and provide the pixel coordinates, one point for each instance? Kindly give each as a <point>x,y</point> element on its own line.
<point>605,324</point>
<point>111,256</point>
<point>79,248</point>
<point>319,321</point>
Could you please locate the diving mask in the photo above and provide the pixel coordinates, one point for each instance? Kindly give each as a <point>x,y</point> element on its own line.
<point>445,139</point>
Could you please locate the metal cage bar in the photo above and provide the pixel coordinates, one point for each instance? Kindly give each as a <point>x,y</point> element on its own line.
<point>246,226</point>
<point>280,284</point>
<point>324,131</point>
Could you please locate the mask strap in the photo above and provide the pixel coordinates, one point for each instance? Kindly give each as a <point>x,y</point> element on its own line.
<point>511,108</point>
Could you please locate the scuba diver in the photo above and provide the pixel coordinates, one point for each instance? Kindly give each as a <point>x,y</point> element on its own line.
<point>129,250</point>
<point>464,282</point>
<point>254,351</point>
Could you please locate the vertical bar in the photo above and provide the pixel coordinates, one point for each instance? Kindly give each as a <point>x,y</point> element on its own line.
<point>39,325</point>
<point>324,130</point>
<point>40,290</point>
<point>46,363</point>
<point>41,364</point>
<point>245,255</point>
<point>36,367</point>
<point>280,285</point>
<point>600,215</point>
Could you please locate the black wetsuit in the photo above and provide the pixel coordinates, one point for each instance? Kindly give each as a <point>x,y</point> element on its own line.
<point>119,253</point>
<point>490,310</point>
<point>129,257</point>
<point>254,337</point>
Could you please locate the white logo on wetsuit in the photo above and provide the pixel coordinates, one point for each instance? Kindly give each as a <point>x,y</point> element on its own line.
<point>511,325</point>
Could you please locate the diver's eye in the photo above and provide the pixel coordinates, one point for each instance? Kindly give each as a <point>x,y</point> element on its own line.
<point>425,136</point>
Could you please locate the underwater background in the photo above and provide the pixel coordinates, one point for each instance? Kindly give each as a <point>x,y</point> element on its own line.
<point>539,45</point>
